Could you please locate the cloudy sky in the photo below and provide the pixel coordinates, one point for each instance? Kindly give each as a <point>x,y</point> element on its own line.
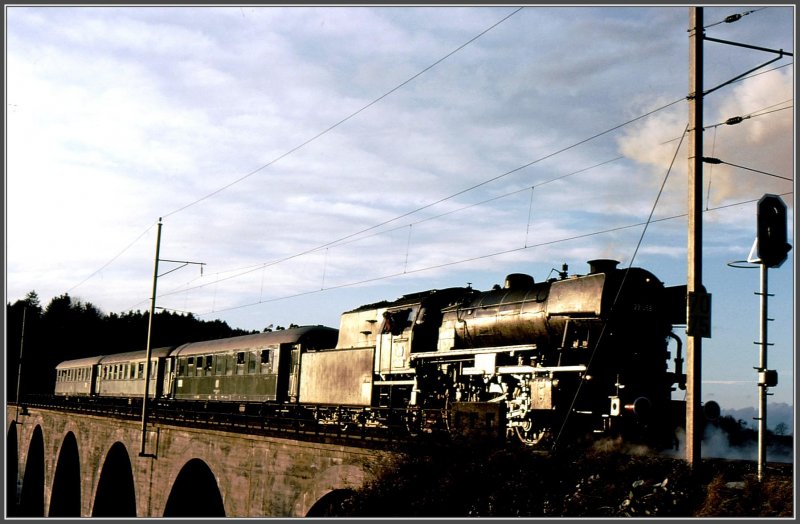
<point>316,159</point>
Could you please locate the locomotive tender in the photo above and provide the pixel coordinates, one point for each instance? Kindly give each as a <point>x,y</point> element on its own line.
<point>584,353</point>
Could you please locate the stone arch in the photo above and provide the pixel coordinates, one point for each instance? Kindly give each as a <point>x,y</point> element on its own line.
<point>336,483</point>
<point>65,496</point>
<point>32,494</point>
<point>12,471</point>
<point>115,495</point>
<point>195,493</point>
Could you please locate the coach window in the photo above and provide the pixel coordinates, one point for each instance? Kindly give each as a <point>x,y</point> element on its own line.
<point>265,360</point>
<point>219,365</point>
<point>209,363</point>
<point>198,368</point>
<point>251,365</point>
<point>240,363</point>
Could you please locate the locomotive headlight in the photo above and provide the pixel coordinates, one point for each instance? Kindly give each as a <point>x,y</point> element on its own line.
<point>641,407</point>
<point>555,382</point>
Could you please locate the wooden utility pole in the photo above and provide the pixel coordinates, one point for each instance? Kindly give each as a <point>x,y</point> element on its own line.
<point>695,252</point>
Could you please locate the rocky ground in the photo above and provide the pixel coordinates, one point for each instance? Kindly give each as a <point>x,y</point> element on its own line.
<point>599,480</point>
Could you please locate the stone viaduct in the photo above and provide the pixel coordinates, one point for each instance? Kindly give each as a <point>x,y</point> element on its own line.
<point>77,465</point>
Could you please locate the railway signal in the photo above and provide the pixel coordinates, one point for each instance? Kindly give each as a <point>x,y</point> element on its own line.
<point>772,246</point>
<point>769,250</point>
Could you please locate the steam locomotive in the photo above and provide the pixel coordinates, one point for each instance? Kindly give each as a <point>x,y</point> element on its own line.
<point>585,353</point>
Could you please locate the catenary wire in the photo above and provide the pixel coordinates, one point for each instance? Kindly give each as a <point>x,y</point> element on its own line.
<point>315,137</point>
<point>262,265</point>
<point>250,269</point>
<point>345,119</point>
<point>474,258</point>
<point>112,259</point>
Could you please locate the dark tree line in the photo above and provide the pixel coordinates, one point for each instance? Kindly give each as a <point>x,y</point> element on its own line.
<point>68,328</point>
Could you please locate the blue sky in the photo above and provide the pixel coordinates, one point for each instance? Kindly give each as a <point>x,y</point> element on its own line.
<point>319,158</point>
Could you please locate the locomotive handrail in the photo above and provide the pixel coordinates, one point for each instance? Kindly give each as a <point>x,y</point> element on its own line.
<point>478,351</point>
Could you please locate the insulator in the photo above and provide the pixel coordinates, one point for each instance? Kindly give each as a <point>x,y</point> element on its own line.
<point>733,18</point>
<point>734,120</point>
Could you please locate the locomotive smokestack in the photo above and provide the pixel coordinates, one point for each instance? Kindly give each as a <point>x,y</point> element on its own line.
<point>602,265</point>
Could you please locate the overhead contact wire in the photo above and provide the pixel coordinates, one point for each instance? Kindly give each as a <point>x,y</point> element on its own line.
<point>345,119</point>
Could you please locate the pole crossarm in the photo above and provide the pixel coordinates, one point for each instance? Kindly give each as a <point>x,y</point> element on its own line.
<point>183,263</point>
<point>780,52</point>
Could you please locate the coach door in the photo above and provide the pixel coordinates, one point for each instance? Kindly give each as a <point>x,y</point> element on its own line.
<point>289,372</point>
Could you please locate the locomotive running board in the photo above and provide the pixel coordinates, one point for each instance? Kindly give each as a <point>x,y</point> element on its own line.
<point>478,351</point>
<point>505,370</point>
